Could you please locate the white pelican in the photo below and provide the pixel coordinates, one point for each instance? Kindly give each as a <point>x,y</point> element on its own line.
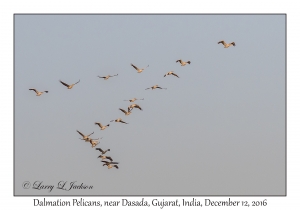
<point>138,70</point>
<point>69,86</point>
<point>94,142</point>
<point>102,151</point>
<point>183,63</point>
<point>119,120</point>
<point>110,164</point>
<point>90,139</point>
<point>86,138</point>
<point>225,44</point>
<point>105,157</point>
<point>102,127</point>
<point>171,73</point>
<point>134,99</point>
<point>154,87</point>
<point>126,112</point>
<point>135,106</point>
<point>107,77</point>
<point>38,93</point>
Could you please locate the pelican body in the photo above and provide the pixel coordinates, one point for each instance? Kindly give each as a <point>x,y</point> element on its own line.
<point>183,63</point>
<point>225,44</point>
<point>38,93</point>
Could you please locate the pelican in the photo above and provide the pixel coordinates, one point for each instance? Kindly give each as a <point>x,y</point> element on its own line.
<point>69,86</point>
<point>154,87</point>
<point>38,93</point>
<point>86,138</point>
<point>171,73</point>
<point>135,106</point>
<point>90,139</point>
<point>134,99</point>
<point>119,120</point>
<point>183,63</point>
<point>102,151</point>
<point>138,70</point>
<point>105,157</point>
<point>225,44</point>
<point>102,127</point>
<point>110,164</point>
<point>94,142</point>
<point>107,77</point>
<point>126,112</point>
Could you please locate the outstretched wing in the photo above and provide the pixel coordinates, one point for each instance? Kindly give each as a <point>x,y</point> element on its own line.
<point>34,90</point>
<point>91,133</point>
<point>65,84</point>
<point>101,77</point>
<point>77,82</point>
<point>109,158</point>
<point>123,110</point>
<point>80,133</point>
<point>175,75</point>
<point>134,67</point>
<point>100,125</point>
<point>99,149</point>
<point>137,106</point>
<point>221,42</point>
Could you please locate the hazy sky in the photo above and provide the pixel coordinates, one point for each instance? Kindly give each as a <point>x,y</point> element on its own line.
<point>219,129</point>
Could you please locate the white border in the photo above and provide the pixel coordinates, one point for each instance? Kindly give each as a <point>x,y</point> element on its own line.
<point>8,8</point>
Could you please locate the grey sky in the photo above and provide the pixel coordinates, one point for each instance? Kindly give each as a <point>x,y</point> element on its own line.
<point>217,130</point>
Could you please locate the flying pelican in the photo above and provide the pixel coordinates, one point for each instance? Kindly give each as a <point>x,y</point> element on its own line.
<point>171,73</point>
<point>119,120</point>
<point>154,87</point>
<point>135,106</point>
<point>69,86</point>
<point>38,93</point>
<point>86,138</point>
<point>105,157</point>
<point>102,127</point>
<point>225,44</point>
<point>107,77</point>
<point>138,70</point>
<point>110,164</point>
<point>90,139</point>
<point>126,112</point>
<point>134,99</point>
<point>102,152</point>
<point>94,142</point>
<point>183,63</point>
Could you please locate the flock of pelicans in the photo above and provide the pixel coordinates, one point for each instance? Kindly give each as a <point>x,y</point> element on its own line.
<point>94,142</point>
